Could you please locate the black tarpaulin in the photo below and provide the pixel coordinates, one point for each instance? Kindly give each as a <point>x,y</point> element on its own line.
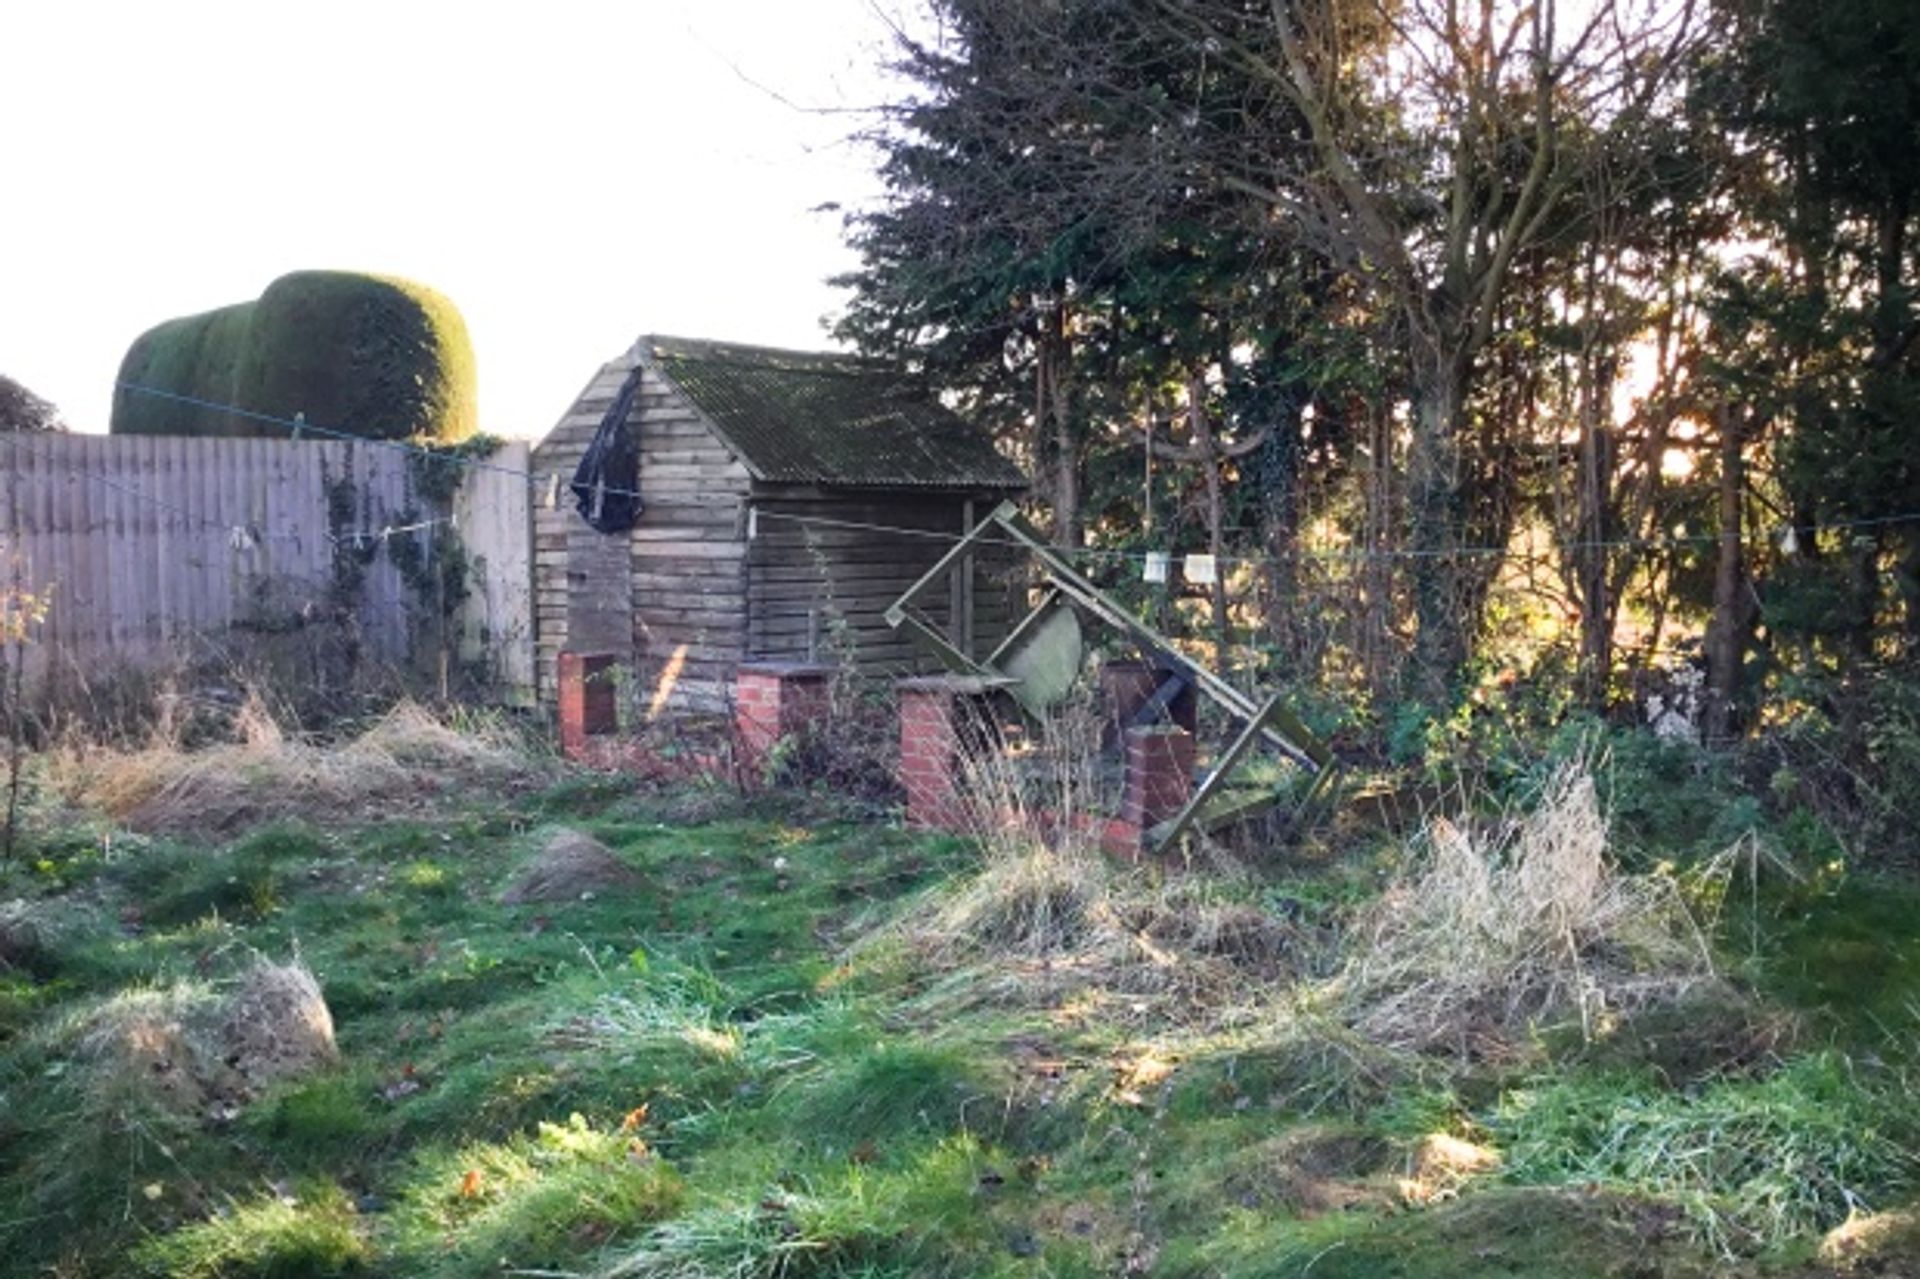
<point>606,486</point>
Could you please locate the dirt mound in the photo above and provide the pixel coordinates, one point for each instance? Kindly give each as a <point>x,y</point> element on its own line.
<point>189,1049</point>
<point>140,1053</point>
<point>572,866</point>
<point>20,935</point>
<point>277,1026</point>
<point>1312,1170</point>
<point>35,934</point>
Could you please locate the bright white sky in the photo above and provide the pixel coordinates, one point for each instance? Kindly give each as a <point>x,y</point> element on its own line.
<point>571,174</point>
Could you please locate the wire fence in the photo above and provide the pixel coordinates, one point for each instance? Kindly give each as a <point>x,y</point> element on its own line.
<point>1324,615</point>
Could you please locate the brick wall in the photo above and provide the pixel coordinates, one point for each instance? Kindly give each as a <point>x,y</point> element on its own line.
<point>775,702</point>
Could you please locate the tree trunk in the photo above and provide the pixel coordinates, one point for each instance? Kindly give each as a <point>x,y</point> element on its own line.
<point>1864,568</point>
<point>1278,468</point>
<point>1594,500</point>
<point>1433,501</point>
<point>1054,416</point>
<point>1216,512</point>
<point>1727,630</point>
<point>1380,651</point>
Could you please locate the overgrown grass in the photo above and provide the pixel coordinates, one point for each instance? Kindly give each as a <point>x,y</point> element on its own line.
<point>922,1216</point>
<point>312,1234</point>
<point>1754,1164</point>
<point>1500,933</point>
<point>789,1047</point>
<point>528,1201</point>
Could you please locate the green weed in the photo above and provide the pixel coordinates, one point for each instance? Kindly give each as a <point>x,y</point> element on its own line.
<point>428,878</point>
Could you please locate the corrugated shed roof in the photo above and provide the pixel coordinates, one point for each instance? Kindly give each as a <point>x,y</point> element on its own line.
<point>799,417</point>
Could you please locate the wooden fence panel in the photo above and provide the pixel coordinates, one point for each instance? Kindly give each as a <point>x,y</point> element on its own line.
<point>495,519</point>
<point>150,549</point>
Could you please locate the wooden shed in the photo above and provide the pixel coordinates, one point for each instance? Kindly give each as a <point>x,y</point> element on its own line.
<point>788,496</point>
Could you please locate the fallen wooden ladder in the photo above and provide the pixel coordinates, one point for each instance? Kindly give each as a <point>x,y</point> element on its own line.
<point>1039,660</point>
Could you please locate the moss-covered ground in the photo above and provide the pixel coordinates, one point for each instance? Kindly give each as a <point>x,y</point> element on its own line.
<point>701,1078</point>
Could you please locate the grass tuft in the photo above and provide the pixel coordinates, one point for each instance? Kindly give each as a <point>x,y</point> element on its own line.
<point>924,1218</point>
<point>1754,1163</point>
<point>1041,926</point>
<point>314,1235</point>
<point>533,1202</point>
<point>326,1116</point>
<point>891,1091</point>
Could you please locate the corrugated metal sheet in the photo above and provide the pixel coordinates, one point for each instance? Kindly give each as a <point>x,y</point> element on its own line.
<point>798,417</point>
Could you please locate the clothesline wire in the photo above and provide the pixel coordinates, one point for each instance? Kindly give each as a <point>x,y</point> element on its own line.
<point>300,426</point>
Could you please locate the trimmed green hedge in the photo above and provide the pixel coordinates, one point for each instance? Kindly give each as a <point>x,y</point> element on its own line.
<point>371,355</point>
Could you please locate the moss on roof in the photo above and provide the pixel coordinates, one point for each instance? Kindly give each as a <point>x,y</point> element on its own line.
<point>798,417</point>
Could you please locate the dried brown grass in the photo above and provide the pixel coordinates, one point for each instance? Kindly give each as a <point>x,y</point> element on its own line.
<point>1049,920</point>
<point>137,1054</point>
<point>275,1025</point>
<point>406,759</point>
<point>1311,1170</point>
<point>1440,1164</point>
<point>1501,930</point>
<point>1041,926</point>
<point>1498,932</point>
<point>1886,1243</point>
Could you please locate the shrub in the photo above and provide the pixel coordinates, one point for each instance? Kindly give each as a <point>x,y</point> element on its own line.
<point>370,355</point>
<point>1849,751</point>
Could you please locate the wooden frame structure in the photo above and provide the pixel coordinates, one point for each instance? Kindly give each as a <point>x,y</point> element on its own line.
<point>1024,665</point>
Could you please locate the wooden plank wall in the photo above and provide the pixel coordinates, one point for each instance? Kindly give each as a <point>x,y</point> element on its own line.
<point>689,557</point>
<point>560,586</point>
<point>150,548</point>
<point>669,598</point>
<point>823,568</point>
